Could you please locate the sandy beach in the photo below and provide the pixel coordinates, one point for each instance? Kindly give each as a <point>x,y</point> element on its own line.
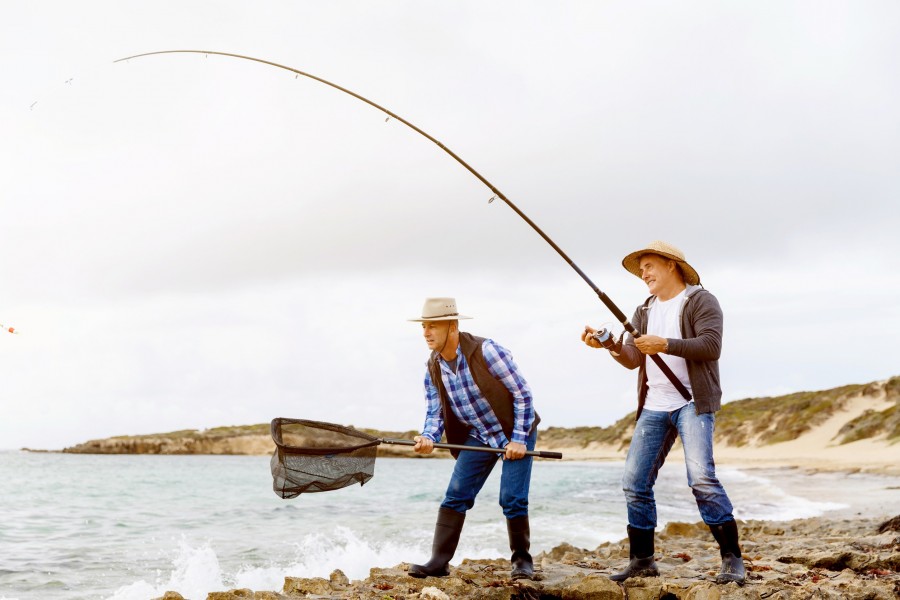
<point>816,450</point>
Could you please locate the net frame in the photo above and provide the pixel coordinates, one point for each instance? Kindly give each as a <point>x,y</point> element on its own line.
<point>315,468</point>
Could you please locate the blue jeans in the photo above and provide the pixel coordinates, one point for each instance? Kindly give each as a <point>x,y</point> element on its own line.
<point>472,470</point>
<point>653,437</point>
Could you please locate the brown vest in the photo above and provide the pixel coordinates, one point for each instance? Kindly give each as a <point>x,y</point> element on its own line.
<point>500,398</point>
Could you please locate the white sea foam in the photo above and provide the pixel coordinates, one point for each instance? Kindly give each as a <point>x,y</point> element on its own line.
<point>195,572</point>
<point>142,525</point>
<point>763,498</point>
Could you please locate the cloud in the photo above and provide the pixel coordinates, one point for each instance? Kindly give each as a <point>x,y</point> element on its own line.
<point>187,240</point>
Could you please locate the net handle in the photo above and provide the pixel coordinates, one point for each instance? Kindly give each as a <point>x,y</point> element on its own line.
<point>538,453</point>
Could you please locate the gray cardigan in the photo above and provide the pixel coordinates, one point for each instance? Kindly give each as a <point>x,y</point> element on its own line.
<point>701,330</point>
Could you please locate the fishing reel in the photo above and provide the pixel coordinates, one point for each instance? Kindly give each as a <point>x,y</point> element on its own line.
<point>606,339</point>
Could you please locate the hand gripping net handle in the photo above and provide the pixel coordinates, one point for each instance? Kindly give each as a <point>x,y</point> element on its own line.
<point>312,456</point>
<point>538,453</point>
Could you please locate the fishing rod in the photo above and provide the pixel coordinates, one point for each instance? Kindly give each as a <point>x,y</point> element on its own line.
<point>497,193</point>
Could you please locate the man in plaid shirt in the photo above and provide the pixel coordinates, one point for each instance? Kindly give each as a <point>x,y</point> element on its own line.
<point>476,395</point>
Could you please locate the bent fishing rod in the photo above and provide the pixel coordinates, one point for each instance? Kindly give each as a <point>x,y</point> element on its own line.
<point>497,193</point>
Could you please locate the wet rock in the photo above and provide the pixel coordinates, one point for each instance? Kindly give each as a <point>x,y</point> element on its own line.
<point>645,588</point>
<point>890,525</point>
<point>304,586</point>
<point>432,593</point>
<point>593,587</point>
<point>811,558</point>
<point>170,596</point>
<point>338,580</point>
<point>703,591</point>
<point>565,551</point>
<point>833,560</point>
<point>242,594</point>
<point>693,530</point>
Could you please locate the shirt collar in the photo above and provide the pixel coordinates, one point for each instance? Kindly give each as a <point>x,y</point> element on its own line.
<point>460,361</point>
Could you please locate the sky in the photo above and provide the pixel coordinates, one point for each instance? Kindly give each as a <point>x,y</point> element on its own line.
<point>190,241</point>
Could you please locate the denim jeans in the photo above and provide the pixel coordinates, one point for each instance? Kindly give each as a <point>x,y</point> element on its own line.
<point>653,437</point>
<point>472,470</point>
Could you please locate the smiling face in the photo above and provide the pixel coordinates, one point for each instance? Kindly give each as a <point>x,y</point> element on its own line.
<point>662,276</point>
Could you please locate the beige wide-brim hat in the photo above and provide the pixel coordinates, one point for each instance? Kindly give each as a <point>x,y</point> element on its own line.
<point>440,309</point>
<point>632,261</point>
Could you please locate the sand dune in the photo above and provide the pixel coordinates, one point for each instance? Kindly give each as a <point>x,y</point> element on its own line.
<point>817,449</point>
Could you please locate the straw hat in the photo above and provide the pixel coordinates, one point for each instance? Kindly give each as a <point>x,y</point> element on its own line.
<point>440,309</point>
<point>632,261</point>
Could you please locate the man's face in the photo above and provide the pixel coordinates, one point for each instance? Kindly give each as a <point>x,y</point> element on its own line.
<point>435,333</point>
<point>657,272</point>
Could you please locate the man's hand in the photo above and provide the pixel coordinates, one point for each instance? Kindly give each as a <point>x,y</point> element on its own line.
<point>651,344</point>
<point>514,451</point>
<point>423,445</point>
<point>587,336</point>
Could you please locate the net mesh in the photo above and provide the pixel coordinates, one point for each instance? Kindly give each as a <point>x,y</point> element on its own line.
<point>311,456</point>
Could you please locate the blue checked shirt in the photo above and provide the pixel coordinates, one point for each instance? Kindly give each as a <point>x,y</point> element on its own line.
<point>471,407</point>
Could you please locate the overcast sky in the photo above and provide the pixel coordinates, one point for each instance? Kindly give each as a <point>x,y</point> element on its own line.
<point>191,241</point>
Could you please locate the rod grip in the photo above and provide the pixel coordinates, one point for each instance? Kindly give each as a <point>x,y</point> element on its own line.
<point>544,454</point>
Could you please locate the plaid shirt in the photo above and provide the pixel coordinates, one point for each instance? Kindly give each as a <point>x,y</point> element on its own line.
<point>471,407</point>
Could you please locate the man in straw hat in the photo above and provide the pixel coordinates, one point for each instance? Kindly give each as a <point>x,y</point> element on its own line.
<point>475,393</point>
<point>682,323</point>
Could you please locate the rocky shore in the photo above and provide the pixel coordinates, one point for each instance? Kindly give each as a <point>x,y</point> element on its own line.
<point>821,558</point>
<point>854,555</point>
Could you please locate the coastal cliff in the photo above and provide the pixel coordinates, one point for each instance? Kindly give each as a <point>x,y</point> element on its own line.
<point>864,418</point>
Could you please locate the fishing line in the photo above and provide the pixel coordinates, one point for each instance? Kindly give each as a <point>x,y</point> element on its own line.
<point>497,193</point>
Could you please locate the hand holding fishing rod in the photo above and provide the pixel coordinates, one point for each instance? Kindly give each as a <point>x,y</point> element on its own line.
<point>601,338</point>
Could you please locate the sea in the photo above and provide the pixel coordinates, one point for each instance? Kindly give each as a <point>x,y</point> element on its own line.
<point>130,527</point>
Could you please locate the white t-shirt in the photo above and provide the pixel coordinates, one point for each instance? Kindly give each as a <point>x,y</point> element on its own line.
<point>664,321</point>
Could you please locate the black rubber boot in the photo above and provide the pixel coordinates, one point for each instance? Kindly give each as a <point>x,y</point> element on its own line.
<point>520,542</point>
<point>726,535</point>
<point>446,537</point>
<point>641,552</point>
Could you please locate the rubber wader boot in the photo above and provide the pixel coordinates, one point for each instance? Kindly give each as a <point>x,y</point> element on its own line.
<point>641,552</point>
<point>520,542</point>
<point>726,535</point>
<point>446,537</point>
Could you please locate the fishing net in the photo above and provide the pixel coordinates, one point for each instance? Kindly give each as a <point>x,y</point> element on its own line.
<point>311,456</point>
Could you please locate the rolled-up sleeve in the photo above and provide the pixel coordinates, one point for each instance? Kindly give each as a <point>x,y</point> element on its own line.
<point>502,366</point>
<point>434,421</point>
